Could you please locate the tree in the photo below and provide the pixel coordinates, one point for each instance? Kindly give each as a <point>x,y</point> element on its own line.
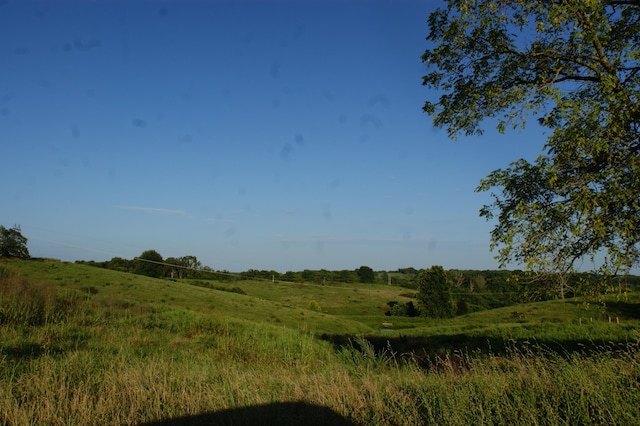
<point>291,276</point>
<point>120,264</point>
<point>182,267</point>
<point>13,243</point>
<point>346,276</point>
<point>396,309</point>
<point>172,268</point>
<point>434,293</point>
<point>308,275</point>
<point>149,263</point>
<point>412,311</point>
<point>575,66</point>
<point>457,277</point>
<point>366,274</point>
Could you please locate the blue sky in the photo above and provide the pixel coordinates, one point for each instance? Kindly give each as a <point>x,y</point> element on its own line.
<point>281,135</point>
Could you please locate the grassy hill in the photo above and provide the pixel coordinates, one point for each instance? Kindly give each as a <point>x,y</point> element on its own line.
<point>82,345</point>
<point>345,309</point>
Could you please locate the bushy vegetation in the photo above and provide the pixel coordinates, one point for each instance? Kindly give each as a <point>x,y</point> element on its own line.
<point>136,350</point>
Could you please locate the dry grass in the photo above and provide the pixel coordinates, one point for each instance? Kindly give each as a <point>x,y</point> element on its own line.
<point>82,388</point>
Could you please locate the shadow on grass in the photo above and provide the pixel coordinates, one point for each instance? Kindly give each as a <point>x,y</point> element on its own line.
<point>624,310</point>
<point>284,413</point>
<point>23,351</point>
<point>28,351</point>
<point>426,350</point>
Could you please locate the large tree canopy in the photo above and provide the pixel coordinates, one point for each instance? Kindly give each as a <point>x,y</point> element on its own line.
<point>575,66</point>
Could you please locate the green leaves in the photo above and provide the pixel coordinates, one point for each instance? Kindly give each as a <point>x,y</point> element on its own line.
<point>13,243</point>
<point>576,65</point>
<point>434,293</point>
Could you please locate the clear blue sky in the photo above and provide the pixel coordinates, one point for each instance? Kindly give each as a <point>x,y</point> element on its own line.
<point>282,135</point>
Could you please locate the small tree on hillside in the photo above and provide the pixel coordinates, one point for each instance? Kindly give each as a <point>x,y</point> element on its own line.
<point>434,294</point>
<point>13,243</point>
<point>149,263</point>
<point>366,274</point>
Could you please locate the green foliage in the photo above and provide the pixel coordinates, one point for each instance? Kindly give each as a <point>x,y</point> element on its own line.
<point>290,276</point>
<point>346,276</point>
<point>182,267</point>
<point>260,274</point>
<point>576,65</point>
<point>120,264</point>
<point>309,275</point>
<point>314,306</point>
<point>321,276</point>
<point>398,309</point>
<point>13,243</point>
<point>366,274</point>
<point>462,308</point>
<point>434,293</point>
<point>149,263</point>
<point>405,277</point>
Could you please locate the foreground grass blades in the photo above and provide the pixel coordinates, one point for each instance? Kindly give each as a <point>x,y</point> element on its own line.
<point>84,387</point>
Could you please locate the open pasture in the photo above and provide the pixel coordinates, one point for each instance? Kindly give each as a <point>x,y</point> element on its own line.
<point>133,350</point>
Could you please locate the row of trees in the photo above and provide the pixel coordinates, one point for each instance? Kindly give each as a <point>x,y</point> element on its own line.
<point>363,274</point>
<point>444,293</point>
<point>152,264</point>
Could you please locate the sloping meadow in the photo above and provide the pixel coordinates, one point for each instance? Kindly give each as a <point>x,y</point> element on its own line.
<point>133,350</point>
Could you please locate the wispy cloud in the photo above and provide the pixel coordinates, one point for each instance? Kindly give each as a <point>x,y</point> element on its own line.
<point>156,210</point>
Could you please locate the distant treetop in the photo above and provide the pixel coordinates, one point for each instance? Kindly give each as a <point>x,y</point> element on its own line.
<point>13,243</point>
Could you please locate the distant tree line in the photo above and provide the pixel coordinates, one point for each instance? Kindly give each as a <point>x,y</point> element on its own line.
<point>152,264</point>
<point>447,293</point>
<point>437,292</point>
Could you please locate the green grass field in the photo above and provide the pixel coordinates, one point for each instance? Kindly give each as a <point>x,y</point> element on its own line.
<point>88,346</point>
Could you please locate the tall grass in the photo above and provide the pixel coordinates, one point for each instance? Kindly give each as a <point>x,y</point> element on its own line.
<point>85,387</point>
<point>26,303</point>
<point>109,362</point>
